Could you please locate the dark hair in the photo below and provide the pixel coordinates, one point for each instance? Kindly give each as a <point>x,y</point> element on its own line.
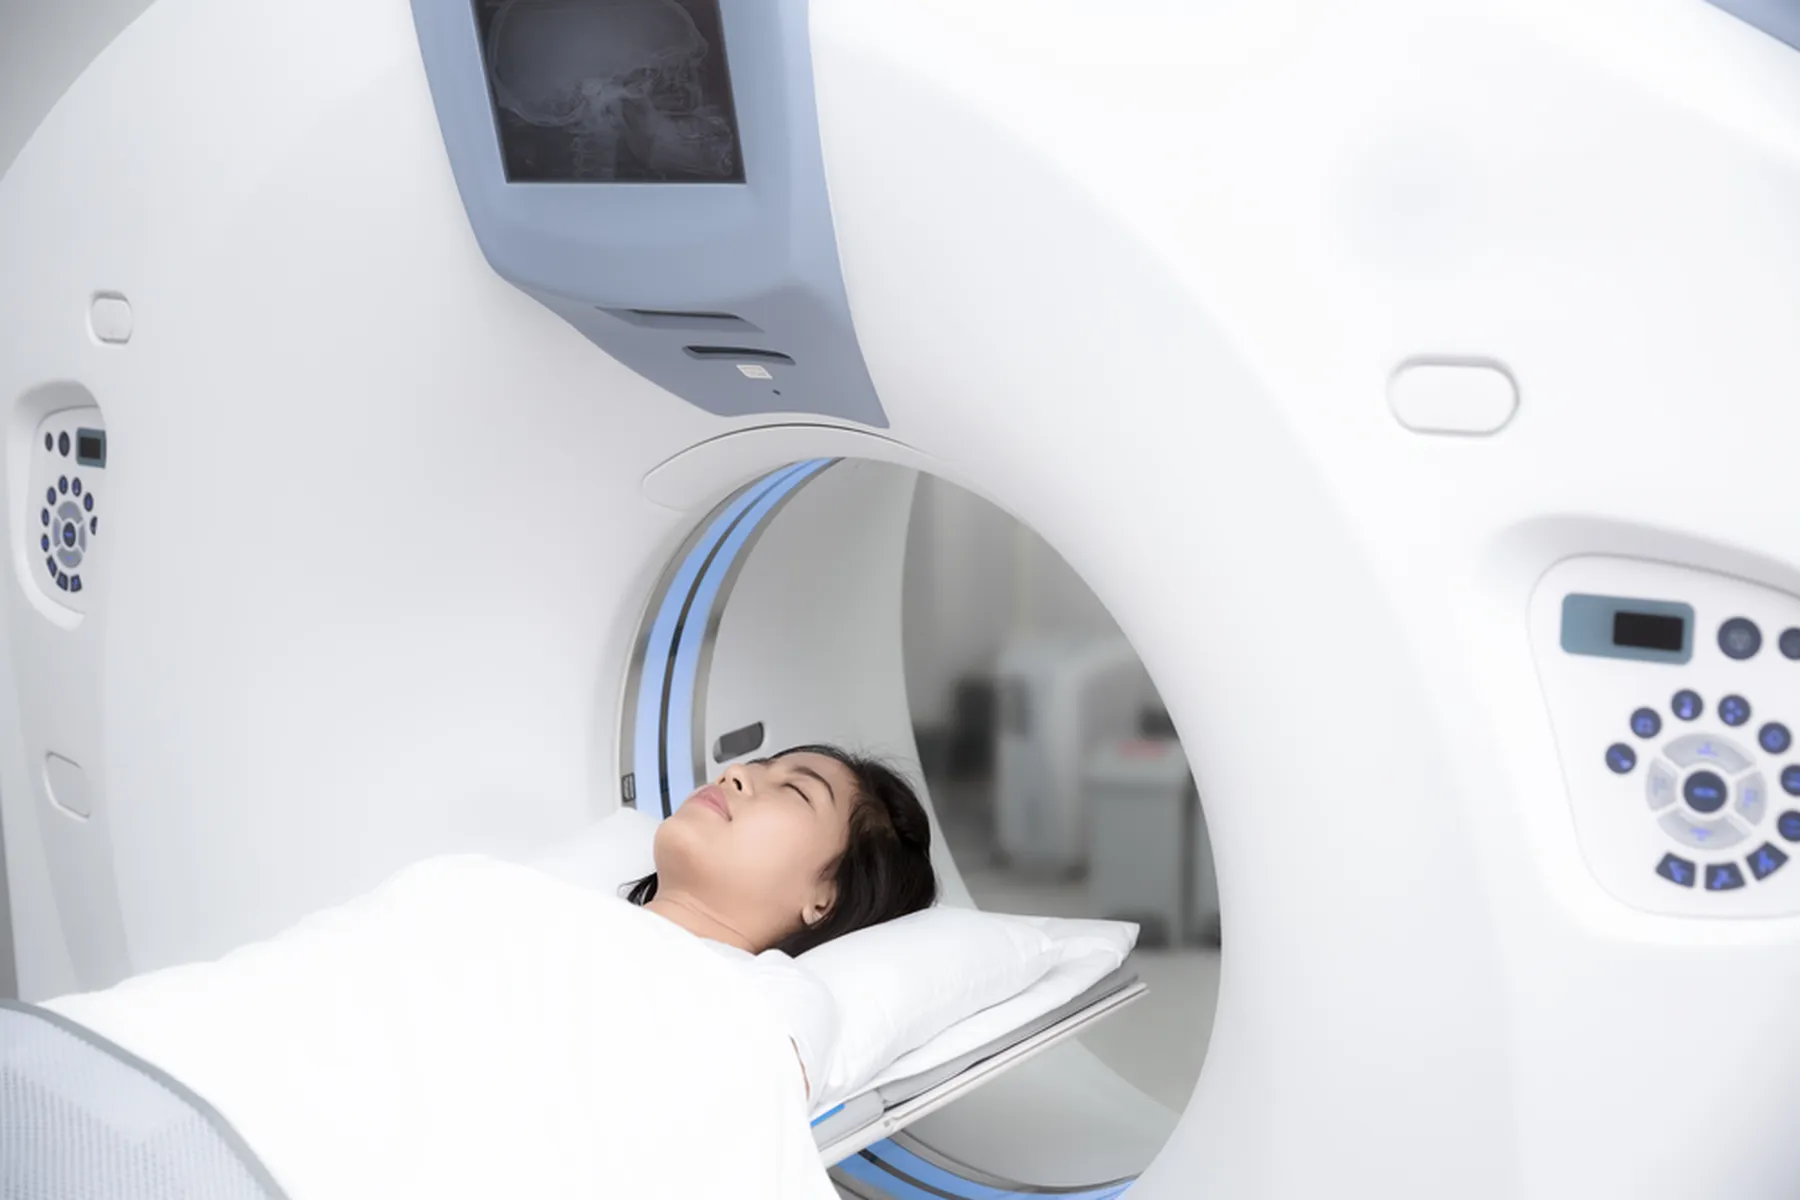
<point>885,870</point>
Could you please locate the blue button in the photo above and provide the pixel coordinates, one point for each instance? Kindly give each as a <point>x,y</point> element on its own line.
<point>75,485</point>
<point>1788,823</point>
<point>1740,638</point>
<point>1734,710</point>
<point>68,533</point>
<point>49,495</point>
<point>1645,723</point>
<point>44,542</point>
<point>1621,758</point>
<point>93,524</point>
<point>62,581</point>
<point>1790,780</point>
<point>1704,792</point>
<point>49,441</point>
<point>1687,705</point>
<point>1766,861</point>
<point>1676,870</point>
<point>62,485</point>
<point>74,583</point>
<point>1775,738</point>
<point>62,443</point>
<point>51,563</point>
<point>44,514</point>
<point>1723,877</point>
<point>1790,643</point>
<point>87,502</point>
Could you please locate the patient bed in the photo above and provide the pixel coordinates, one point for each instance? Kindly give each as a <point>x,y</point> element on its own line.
<point>886,1109</point>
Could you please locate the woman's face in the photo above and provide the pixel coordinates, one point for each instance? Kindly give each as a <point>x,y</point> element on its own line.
<point>754,846</point>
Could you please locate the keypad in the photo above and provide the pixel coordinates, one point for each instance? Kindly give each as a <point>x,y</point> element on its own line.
<point>1710,793</point>
<point>69,516</point>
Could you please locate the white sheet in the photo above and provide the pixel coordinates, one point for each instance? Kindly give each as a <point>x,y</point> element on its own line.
<point>475,1028</point>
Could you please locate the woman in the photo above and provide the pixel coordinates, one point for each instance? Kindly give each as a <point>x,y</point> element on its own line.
<point>783,854</point>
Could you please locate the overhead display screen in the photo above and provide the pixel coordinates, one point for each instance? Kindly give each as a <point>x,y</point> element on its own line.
<point>610,91</point>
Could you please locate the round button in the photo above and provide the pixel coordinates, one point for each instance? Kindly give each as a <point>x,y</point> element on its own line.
<point>87,502</point>
<point>1740,638</point>
<point>1788,823</point>
<point>1734,710</point>
<point>44,542</point>
<point>68,533</point>
<point>75,485</point>
<point>1687,704</point>
<point>62,444</point>
<point>1621,758</point>
<point>49,495</point>
<point>1775,738</point>
<point>93,524</point>
<point>62,485</point>
<point>45,514</point>
<point>1790,780</point>
<point>1645,723</point>
<point>49,441</point>
<point>1790,643</point>
<point>1704,792</point>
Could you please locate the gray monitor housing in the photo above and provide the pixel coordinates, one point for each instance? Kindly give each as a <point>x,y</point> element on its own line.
<point>650,171</point>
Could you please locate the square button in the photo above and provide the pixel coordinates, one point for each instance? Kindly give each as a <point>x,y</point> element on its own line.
<point>1677,870</point>
<point>1766,861</point>
<point>1723,877</point>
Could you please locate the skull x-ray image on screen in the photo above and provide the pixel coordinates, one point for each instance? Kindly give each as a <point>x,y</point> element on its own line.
<point>611,91</point>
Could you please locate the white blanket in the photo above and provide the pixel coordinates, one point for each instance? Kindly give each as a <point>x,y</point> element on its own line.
<point>475,1028</point>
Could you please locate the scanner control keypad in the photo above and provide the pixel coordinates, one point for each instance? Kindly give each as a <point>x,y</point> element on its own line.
<point>1711,793</point>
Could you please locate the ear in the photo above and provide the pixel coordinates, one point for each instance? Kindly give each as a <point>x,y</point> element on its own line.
<point>819,905</point>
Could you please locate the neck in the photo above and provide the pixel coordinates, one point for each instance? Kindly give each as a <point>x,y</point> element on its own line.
<point>698,919</point>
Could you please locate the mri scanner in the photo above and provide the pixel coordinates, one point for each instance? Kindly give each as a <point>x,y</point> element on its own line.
<point>430,428</point>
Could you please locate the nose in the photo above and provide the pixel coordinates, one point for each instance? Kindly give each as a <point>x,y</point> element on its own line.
<point>736,778</point>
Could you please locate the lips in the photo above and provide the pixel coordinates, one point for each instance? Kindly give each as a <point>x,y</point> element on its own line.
<point>713,798</point>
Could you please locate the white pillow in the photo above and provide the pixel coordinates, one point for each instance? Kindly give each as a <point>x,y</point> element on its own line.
<point>1086,952</point>
<point>604,856</point>
<point>901,983</point>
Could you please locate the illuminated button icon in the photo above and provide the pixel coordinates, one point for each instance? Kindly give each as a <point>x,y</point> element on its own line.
<point>1678,871</point>
<point>1704,750</point>
<point>1704,792</point>
<point>1621,758</point>
<point>1766,861</point>
<point>1687,704</point>
<point>1723,877</point>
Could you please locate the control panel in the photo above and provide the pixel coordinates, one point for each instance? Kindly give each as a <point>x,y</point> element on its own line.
<point>64,504</point>
<point>1675,695</point>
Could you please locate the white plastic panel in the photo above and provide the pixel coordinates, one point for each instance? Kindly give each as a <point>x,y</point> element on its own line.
<point>1676,769</point>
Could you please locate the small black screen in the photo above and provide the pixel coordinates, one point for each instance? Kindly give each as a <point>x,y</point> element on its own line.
<point>90,450</point>
<point>611,91</point>
<point>1648,631</point>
